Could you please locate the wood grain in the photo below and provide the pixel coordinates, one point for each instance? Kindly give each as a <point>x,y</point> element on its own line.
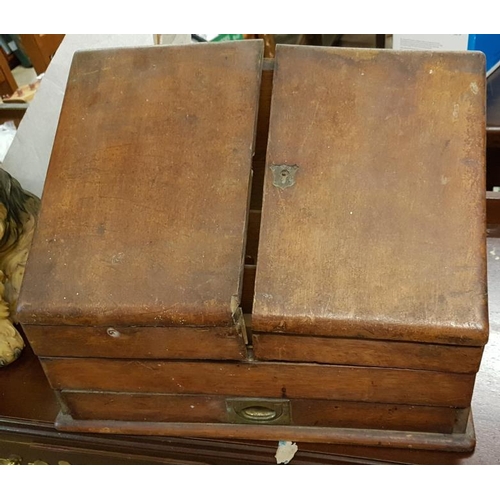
<point>147,342</point>
<point>359,352</point>
<point>359,246</point>
<point>463,442</point>
<point>257,379</point>
<point>27,423</point>
<point>144,210</point>
<point>40,49</point>
<point>211,409</point>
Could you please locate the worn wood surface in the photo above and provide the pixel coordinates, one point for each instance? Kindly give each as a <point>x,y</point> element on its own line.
<point>282,379</point>
<point>360,352</point>
<point>212,409</point>
<point>144,209</point>
<point>462,442</point>
<point>145,342</point>
<point>26,424</point>
<point>385,144</point>
<point>273,380</point>
<point>41,441</point>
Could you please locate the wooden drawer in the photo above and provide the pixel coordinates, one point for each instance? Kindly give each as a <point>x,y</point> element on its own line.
<point>268,380</point>
<point>216,409</point>
<point>361,352</point>
<point>144,342</point>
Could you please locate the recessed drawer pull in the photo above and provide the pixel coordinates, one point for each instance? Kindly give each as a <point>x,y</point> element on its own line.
<point>258,411</point>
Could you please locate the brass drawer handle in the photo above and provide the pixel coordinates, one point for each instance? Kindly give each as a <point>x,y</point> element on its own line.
<point>258,411</point>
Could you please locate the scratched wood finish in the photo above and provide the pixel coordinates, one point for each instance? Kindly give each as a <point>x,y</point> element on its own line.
<point>211,409</point>
<point>386,143</point>
<point>27,422</point>
<point>359,352</point>
<point>457,442</point>
<point>145,342</point>
<point>144,209</point>
<point>256,379</point>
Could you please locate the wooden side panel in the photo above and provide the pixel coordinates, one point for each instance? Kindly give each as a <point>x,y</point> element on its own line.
<point>212,409</point>
<point>384,143</point>
<point>359,352</point>
<point>164,343</point>
<point>272,380</point>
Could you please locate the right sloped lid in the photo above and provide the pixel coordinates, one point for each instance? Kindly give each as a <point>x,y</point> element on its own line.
<point>373,221</point>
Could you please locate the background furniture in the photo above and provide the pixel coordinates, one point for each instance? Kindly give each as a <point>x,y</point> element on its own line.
<point>41,49</point>
<point>8,84</point>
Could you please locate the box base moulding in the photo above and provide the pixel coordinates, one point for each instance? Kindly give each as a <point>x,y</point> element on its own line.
<point>457,442</point>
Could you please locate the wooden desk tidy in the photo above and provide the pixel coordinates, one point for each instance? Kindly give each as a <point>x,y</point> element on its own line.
<point>369,311</point>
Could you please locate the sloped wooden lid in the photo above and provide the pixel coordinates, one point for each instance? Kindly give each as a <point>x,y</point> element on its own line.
<point>145,203</point>
<point>373,220</point>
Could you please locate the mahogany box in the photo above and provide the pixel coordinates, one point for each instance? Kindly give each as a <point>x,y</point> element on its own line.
<point>280,250</point>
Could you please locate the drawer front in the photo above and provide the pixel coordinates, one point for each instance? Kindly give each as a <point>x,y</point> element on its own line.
<point>257,379</point>
<point>361,352</point>
<point>221,409</point>
<point>147,342</point>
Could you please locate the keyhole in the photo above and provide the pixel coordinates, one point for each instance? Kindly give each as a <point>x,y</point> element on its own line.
<point>283,175</point>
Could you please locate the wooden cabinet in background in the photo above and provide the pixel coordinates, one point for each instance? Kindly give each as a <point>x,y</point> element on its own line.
<point>41,49</point>
<point>7,83</point>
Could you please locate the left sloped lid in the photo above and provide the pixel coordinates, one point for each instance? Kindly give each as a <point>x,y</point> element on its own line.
<point>144,209</point>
